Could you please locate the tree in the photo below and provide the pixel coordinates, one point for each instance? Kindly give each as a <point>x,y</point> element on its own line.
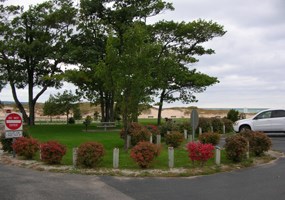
<point>233,115</point>
<point>62,104</point>
<point>76,112</point>
<point>180,42</point>
<point>32,47</point>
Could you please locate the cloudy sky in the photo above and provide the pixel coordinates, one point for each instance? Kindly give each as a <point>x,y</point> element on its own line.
<point>249,60</point>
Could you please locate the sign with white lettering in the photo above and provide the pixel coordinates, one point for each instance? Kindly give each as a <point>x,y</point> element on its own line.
<point>13,125</point>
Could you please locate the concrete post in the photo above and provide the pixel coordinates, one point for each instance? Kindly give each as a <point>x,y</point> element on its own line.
<point>218,155</point>
<point>74,157</point>
<point>170,157</point>
<point>128,141</point>
<point>212,129</point>
<point>116,158</point>
<point>185,134</point>
<point>150,139</point>
<point>224,129</point>
<point>158,139</point>
<point>200,130</point>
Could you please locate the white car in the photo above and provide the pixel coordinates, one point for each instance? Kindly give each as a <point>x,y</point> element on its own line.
<point>271,120</point>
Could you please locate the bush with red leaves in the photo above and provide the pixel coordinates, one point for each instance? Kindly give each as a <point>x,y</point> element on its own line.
<point>26,147</point>
<point>200,152</point>
<point>52,152</point>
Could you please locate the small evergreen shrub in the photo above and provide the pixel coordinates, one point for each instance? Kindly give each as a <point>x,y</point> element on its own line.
<point>174,139</point>
<point>144,153</point>
<point>90,154</point>
<point>236,148</point>
<point>233,115</point>
<point>52,152</point>
<point>210,138</point>
<point>26,147</point>
<point>200,152</point>
<point>71,120</point>
<point>205,124</point>
<point>217,125</point>
<point>185,126</point>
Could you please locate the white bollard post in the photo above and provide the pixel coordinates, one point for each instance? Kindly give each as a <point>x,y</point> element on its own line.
<point>167,132</point>
<point>218,155</point>
<point>190,138</point>
<point>212,129</point>
<point>116,158</point>
<point>170,157</point>
<point>200,130</point>
<point>150,139</point>
<point>74,156</point>
<point>224,129</point>
<point>158,139</point>
<point>128,141</point>
<point>185,134</point>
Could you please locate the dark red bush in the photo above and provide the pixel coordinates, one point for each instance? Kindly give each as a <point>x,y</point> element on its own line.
<point>52,152</point>
<point>144,153</point>
<point>90,154</point>
<point>26,147</point>
<point>200,152</point>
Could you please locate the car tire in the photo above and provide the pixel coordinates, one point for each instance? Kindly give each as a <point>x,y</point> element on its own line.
<point>244,128</point>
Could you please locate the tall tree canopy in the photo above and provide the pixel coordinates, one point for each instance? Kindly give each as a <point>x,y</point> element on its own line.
<point>32,46</point>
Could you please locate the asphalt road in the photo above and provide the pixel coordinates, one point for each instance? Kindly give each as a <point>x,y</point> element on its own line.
<point>260,183</point>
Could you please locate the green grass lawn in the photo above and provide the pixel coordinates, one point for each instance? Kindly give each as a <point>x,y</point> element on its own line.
<point>74,135</point>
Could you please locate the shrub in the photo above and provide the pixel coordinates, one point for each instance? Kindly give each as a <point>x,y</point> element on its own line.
<point>71,120</point>
<point>90,154</point>
<point>236,148</point>
<point>185,126</point>
<point>26,147</point>
<point>154,131</point>
<point>138,133</point>
<point>228,125</point>
<point>210,138</point>
<point>200,152</point>
<point>87,122</point>
<point>52,152</point>
<point>174,139</point>
<point>167,127</point>
<point>7,143</point>
<point>205,124</point>
<point>258,142</point>
<point>233,115</point>
<point>144,153</point>
<point>217,125</point>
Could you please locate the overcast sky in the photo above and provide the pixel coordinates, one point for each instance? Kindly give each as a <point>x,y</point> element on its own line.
<point>250,57</point>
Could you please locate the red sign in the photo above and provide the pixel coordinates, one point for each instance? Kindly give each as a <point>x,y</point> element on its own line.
<point>13,121</point>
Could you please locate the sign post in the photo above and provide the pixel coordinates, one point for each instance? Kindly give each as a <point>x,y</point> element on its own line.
<point>194,122</point>
<point>13,125</point>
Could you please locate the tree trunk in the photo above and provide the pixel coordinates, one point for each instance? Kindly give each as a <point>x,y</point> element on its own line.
<point>18,103</point>
<point>160,107</point>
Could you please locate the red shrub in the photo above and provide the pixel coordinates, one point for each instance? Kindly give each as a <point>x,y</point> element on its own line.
<point>200,152</point>
<point>137,132</point>
<point>144,153</point>
<point>26,147</point>
<point>90,154</point>
<point>52,152</point>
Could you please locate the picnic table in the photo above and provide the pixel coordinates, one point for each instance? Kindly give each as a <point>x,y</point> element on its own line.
<point>106,125</point>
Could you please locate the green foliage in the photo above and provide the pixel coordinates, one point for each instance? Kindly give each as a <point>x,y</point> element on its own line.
<point>168,126</point>
<point>137,132</point>
<point>217,124</point>
<point>52,152</point>
<point>236,148</point>
<point>174,139</point>
<point>210,138</point>
<point>71,120</point>
<point>87,122</point>
<point>205,124</point>
<point>26,147</point>
<point>76,113</point>
<point>90,154</point>
<point>233,115</point>
<point>144,153</point>
<point>258,142</point>
<point>7,143</point>
<point>228,125</point>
